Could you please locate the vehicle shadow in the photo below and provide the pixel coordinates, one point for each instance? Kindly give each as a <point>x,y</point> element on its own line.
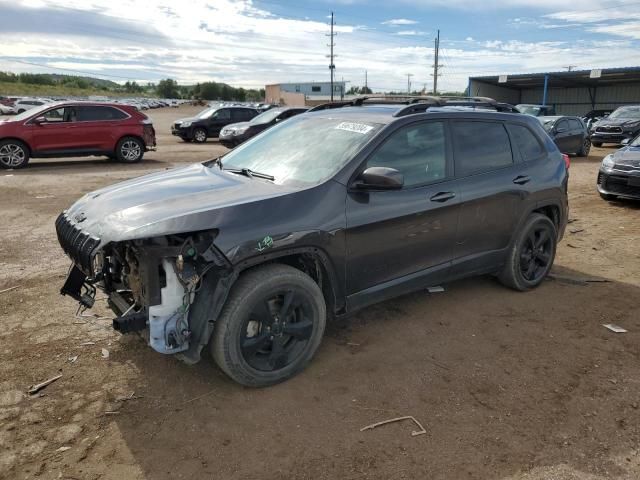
<point>97,164</point>
<point>504,382</point>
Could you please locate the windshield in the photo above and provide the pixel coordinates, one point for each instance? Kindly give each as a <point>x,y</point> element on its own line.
<point>266,117</point>
<point>626,112</point>
<point>305,150</point>
<point>29,113</point>
<point>206,113</point>
<point>547,123</point>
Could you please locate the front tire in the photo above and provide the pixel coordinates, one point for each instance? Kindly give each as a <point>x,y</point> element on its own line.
<point>596,144</point>
<point>270,327</point>
<point>199,135</point>
<point>13,154</point>
<point>129,150</point>
<point>531,256</point>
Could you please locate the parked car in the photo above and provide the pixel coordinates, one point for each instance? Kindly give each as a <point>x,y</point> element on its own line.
<point>623,123</point>
<point>7,110</point>
<point>619,174</point>
<point>236,133</point>
<point>25,104</point>
<point>593,116</point>
<point>252,252</point>
<point>210,122</point>
<point>75,129</point>
<point>569,133</point>
<point>536,110</point>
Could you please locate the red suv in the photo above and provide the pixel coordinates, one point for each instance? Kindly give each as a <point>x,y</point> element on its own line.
<point>76,129</point>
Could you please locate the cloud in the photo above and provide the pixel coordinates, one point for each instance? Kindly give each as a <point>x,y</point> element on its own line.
<point>411,33</point>
<point>399,21</point>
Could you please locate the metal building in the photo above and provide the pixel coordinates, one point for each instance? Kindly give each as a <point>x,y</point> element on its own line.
<point>571,93</point>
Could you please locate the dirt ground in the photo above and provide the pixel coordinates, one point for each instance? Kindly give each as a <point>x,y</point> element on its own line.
<point>508,385</point>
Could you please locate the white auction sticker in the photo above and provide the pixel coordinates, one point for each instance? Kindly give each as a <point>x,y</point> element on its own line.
<point>355,127</point>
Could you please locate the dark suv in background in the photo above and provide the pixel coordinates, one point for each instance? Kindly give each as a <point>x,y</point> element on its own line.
<point>236,133</point>
<point>570,134</point>
<point>622,124</point>
<point>252,252</point>
<point>209,122</point>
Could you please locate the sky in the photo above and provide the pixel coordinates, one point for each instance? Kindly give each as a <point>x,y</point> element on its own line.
<point>250,43</point>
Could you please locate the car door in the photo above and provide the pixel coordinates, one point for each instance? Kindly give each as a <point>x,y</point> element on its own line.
<point>93,130</point>
<point>491,185</point>
<point>577,134</point>
<point>55,133</point>
<point>219,119</point>
<point>563,136</point>
<point>406,236</point>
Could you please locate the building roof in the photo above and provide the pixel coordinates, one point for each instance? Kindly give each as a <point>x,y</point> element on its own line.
<point>575,78</point>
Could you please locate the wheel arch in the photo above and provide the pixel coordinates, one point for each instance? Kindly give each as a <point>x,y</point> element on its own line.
<point>21,140</point>
<point>129,135</point>
<point>312,261</point>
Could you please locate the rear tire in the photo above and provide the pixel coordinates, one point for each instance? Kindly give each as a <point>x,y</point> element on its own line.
<point>531,255</point>
<point>13,154</point>
<point>270,326</point>
<point>585,149</point>
<point>199,135</point>
<point>129,150</point>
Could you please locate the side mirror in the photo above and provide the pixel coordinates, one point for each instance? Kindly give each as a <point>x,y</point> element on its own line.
<point>626,141</point>
<point>380,178</point>
<point>39,120</point>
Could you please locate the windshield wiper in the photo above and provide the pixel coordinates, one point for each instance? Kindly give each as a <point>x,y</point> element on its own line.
<point>250,173</point>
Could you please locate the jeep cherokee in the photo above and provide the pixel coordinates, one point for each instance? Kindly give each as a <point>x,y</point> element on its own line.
<point>252,252</point>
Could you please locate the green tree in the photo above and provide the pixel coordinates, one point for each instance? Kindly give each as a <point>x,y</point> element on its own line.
<point>167,88</point>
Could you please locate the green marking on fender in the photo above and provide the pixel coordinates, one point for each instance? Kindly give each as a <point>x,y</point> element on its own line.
<point>266,242</point>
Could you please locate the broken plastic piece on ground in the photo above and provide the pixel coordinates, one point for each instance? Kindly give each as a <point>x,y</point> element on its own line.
<point>437,289</point>
<point>105,353</point>
<point>39,386</point>
<point>415,433</point>
<point>614,328</point>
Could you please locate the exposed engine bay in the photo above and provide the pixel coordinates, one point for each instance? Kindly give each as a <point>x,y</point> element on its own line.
<point>152,286</point>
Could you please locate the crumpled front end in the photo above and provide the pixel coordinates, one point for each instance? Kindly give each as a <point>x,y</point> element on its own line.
<point>152,284</point>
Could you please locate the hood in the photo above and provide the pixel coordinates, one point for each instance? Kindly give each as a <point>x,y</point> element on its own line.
<point>233,126</point>
<point>629,156</point>
<point>617,122</point>
<point>181,200</point>
<point>188,119</point>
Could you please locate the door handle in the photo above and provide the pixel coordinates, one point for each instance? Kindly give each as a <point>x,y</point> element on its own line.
<point>442,196</point>
<point>522,179</point>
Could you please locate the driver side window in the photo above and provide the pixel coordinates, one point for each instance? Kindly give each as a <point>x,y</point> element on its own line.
<point>417,151</point>
<point>56,115</point>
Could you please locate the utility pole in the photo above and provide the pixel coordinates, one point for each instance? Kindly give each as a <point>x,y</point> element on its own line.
<point>409,75</point>
<point>366,86</point>
<point>332,44</point>
<point>436,65</point>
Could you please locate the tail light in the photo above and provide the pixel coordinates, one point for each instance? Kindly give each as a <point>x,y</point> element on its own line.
<point>567,160</point>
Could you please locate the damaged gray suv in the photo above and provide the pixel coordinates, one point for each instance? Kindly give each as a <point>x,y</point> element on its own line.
<point>315,218</point>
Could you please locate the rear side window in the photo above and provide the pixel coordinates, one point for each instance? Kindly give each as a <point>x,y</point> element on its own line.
<point>96,114</point>
<point>416,151</point>
<point>526,142</point>
<point>575,124</point>
<point>480,147</point>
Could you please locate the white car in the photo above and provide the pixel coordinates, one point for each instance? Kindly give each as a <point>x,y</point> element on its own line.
<point>28,103</point>
<point>6,110</point>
